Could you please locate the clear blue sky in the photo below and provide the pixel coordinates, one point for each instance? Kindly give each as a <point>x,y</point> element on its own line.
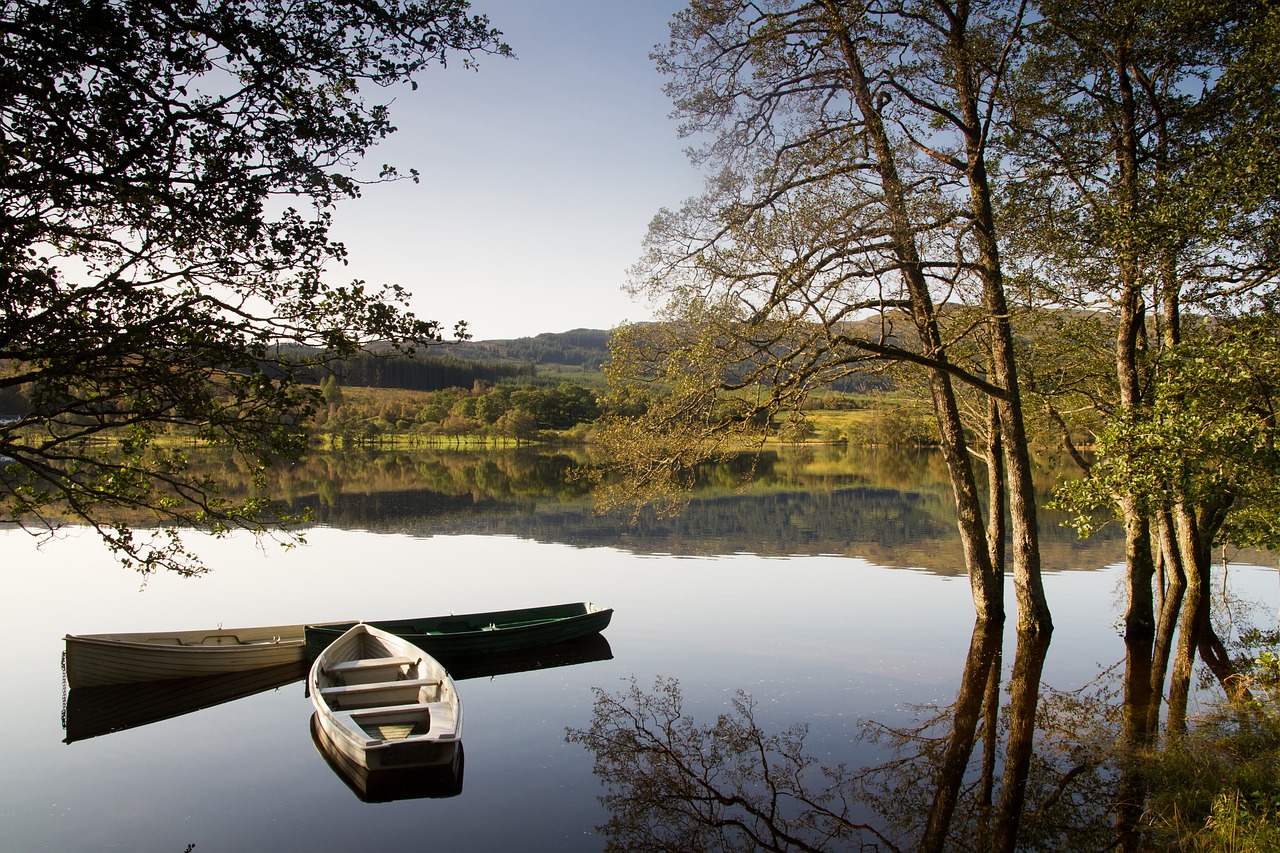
<point>539,174</point>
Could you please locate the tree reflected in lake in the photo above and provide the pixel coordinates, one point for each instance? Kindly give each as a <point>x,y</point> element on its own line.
<point>675,785</point>
<point>1023,768</point>
<point>889,506</point>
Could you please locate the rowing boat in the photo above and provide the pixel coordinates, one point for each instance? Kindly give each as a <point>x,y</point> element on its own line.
<point>455,637</point>
<point>94,660</point>
<point>384,703</point>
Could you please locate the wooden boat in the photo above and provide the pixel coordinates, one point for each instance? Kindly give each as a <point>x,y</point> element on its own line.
<point>93,711</point>
<point>456,636</point>
<point>93,660</point>
<point>384,786</point>
<point>384,703</point>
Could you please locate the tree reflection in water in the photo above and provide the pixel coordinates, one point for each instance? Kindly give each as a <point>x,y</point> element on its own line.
<point>1042,770</point>
<point>675,785</point>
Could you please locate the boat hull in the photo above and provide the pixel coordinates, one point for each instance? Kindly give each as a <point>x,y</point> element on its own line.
<point>383,786</point>
<point>456,637</point>
<point>384,704</point>
<point>95,660</point>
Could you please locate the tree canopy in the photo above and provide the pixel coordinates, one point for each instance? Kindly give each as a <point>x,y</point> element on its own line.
<point>167,177</point>
<point>982,190</point>
<point>850,202</point>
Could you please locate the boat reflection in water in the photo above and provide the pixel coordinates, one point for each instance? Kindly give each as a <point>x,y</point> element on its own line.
<point>593,647</point>
<point>94,711</point>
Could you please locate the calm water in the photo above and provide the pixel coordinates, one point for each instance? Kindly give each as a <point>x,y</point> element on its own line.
<point>831,641</point>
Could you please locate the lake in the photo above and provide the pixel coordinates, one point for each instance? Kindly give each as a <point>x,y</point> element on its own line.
<point>829,592</point>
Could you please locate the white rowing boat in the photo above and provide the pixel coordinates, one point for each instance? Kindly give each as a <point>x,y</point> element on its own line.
<point>384,703</point>
<point>94,660</point>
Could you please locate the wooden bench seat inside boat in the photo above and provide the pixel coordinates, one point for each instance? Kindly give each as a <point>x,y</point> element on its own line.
<point>404,692</point>
<point>368,664</point>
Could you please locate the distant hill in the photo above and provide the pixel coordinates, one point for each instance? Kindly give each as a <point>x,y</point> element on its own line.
<point>548,357</point>
<point>521,361</point>
<point>582,348</point>
<point>588,350</point>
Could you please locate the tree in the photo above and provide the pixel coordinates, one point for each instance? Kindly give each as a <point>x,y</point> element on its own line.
<point>1143,191</point>
<point>167,176</point>
<point>517,424</point>
<point>849,205</point>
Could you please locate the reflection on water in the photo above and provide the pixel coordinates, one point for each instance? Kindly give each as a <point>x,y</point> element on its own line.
<point>674,784</point>
<point>890,506</point>
<point>825,642</point>
<point>92,711</point>
<point>1031,768</point>
<point>588,649</point>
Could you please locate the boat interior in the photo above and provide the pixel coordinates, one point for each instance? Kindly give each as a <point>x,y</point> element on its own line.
<point>389,698</point>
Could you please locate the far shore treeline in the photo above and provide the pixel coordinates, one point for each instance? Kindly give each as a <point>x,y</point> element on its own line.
<point>550,387</point>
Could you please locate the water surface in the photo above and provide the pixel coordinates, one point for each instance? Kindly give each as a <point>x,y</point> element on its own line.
<point>826,639</point>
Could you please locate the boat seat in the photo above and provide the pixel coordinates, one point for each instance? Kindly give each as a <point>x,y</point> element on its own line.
<point>369,664</point>
<point>411,708</point>
<point>352,696</point>
<point>374,686</point>
<point>440,718</point>
<point>364,722</point>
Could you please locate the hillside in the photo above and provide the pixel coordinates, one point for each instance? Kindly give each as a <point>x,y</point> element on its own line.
<point>581,348</point>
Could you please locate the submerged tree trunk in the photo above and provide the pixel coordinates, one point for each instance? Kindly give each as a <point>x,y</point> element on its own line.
<point>1172,591</point>
<point>1135,737</point>
<point>990,742</point>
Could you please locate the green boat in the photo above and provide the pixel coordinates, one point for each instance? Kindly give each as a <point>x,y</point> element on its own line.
<point>466,635</point>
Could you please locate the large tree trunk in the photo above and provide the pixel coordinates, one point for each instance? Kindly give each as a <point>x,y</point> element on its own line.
<point>985,583</point>
<point>1139,620</point>
<point>995,489</point>
<point>1033,609</point>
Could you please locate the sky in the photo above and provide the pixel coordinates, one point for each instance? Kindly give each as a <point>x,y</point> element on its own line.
<point>539,174</point>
